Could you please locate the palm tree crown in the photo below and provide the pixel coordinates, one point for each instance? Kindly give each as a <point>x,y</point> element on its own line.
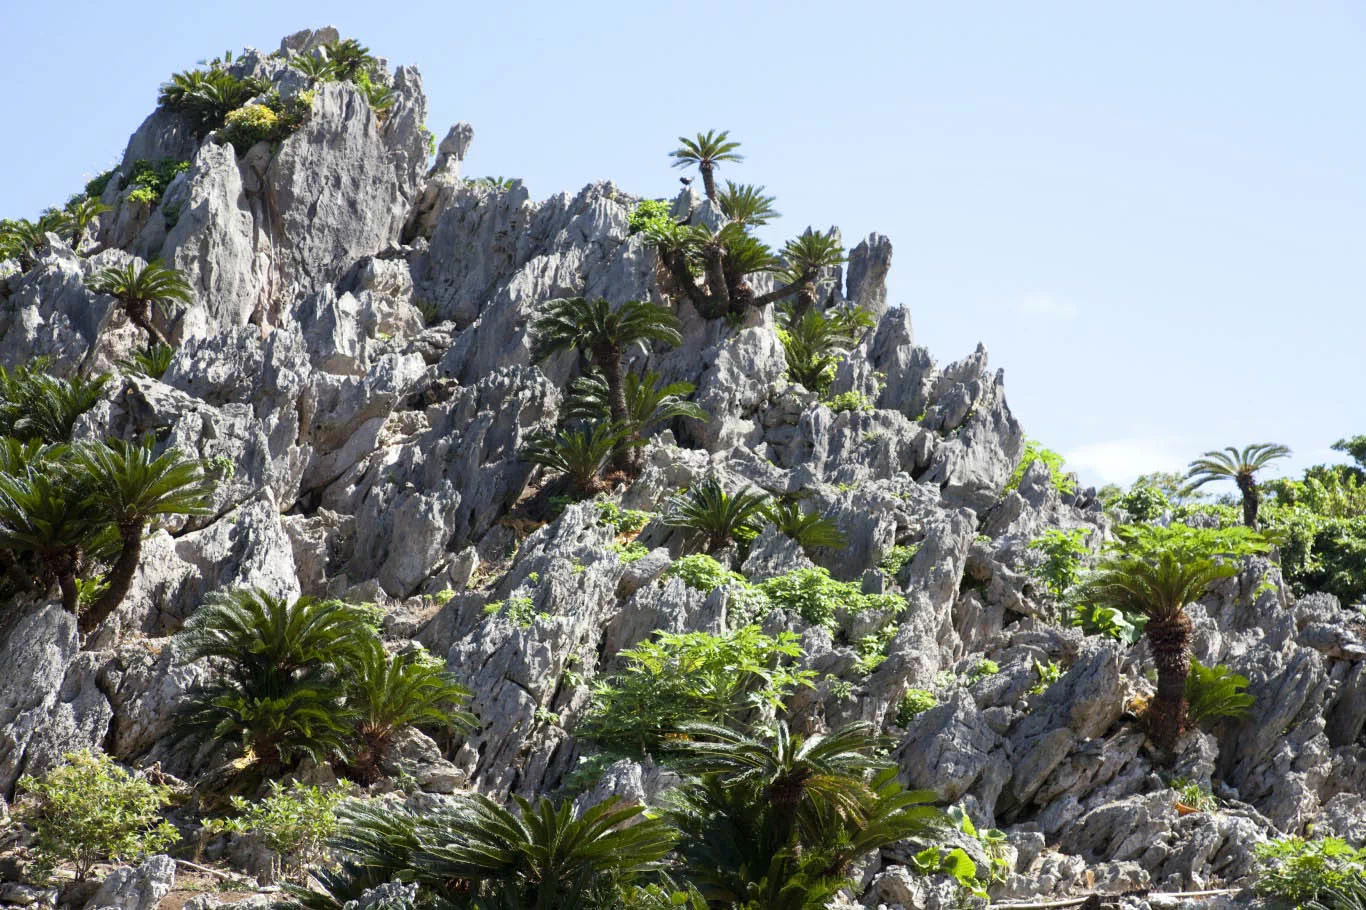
<point>706,151</point>
<point>139,289</point>
<point>722,517</point>
<point>1239,466</point>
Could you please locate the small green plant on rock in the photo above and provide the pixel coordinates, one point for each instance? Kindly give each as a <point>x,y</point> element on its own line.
<point>1297,871</point>
<point>649,212</point>
<point>896,558</point>
<point>703,573</point>
<point>1214,692</point>
<point>1052,460</point>
<point>914,703</point>
<point>849,401</point>
<point>1063,553</point>
<point>294,823</point>
<point>90,810</point>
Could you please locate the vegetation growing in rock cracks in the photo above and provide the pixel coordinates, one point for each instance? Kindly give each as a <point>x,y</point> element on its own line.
<point>141,290</point>
<point>719,517</point>
<point>295,823</point>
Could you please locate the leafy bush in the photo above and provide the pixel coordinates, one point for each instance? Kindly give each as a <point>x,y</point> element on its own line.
<point>1144,503</point>
<point>147,180</point>
<point>1049,673</point>
<point>94,187</point>
<point>1296,870</point>
<point>914,703</point>
<point>91,809</point>
<point>295,824</point>
<point>649,212</point>
<point>692,676</point>
<point>982,669</point>
<point>954,863</point>
<point>271,121</point>
<point>1063,554</point>
<point>703,573</point>
<point>896,558</point>
<point>1098,620</point>
<point>626,521</point>
<point>815,596</point>
<point>206,96</point>
<point>630,552</point>
<point>1213,692</point>
<point>1052,460</point>
<point>849,401</point>
<point>520,611</point>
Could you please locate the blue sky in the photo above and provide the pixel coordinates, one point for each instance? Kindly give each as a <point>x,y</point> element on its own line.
<point>1154,215</point>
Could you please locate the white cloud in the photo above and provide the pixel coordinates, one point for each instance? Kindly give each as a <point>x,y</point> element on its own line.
<point>1045,305</point>
<point>1121,460</point>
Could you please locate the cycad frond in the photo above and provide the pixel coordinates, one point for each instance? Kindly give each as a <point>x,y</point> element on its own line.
<point>132,486</point>
<point>153,362</point>
<point>579,454</point>
<point>153,283</point>
<point>722,517</point>
<point>595,326</point>
<point>746,204</point>
<point>1234,463</point>
<point>808,529</point>
<point>710,147</point>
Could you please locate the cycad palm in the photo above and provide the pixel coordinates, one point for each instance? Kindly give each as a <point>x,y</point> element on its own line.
<point>34,405</point>
<point>152,362</point>
<point>280,693</point>
<point>388,694</point>
<point>706,151</point>
<point>812,345</point>
<point>1241,467</point>
<point>130,487</point>
<point>746,204</point>
<point>720,516</point>
<point>22,239</point>
<point>1158,585</point>
<point>579,453</point>
<point>540,856</point>
<point>139,289</point>
<point>804,260</point>
<point>44,512</point>
<point>649,402</point>
<point>808,529</point>
<point>798,775</point>
<point>603,334</point>
<point>81,214</point>
<point>206,96</point>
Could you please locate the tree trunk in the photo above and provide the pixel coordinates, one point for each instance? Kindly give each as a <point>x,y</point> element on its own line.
<point>677,265</point>
<point>718,288</point>
<point>63,565</point>
<point>1251,500</point>
<point>71,597</point>
<point>708,178</point>
<point>785,795</point>
<point>787,290</point>
<point>119,578</point>
<point>1169,638</point>
<point>139,313</point>
<point>608,359</point>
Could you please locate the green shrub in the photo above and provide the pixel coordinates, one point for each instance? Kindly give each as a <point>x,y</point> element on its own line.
<point>814,596</point>
<point>90,810</point>
<point>703,573</point>
<point>271,121</point>
<point>1063,554</point>
<point>630,552</point>
<point>982,670</point>
<point>688,677</point>
<point>1049,673</point>
<point>1213,692</point>
<point>94,188</point>
<point>849,401</point>
<point>914,703</point>
<point>520,611</point>
<point>1052,460</point>
<point>1296,870</point>
<point>1144,503</point>
<point>295,824</point>
<point>650,212</point>
<point>897,557</point>
<point>148,179</point>
<point>625,521</point>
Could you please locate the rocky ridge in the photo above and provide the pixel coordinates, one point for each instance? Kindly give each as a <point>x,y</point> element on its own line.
<point>357,352</point>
